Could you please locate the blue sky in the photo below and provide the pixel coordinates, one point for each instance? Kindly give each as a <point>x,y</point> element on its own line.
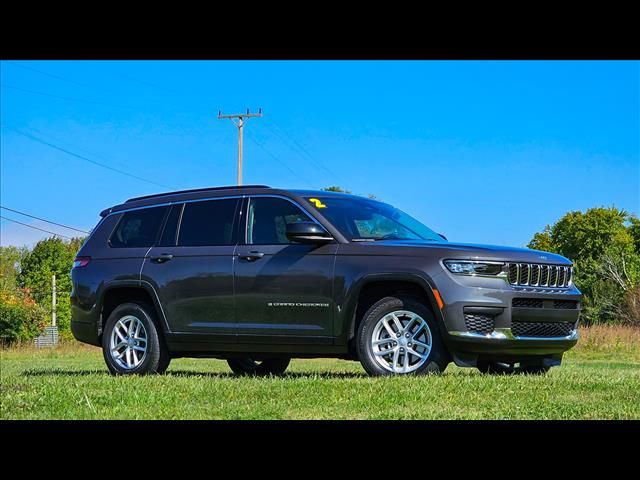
<point>484,152</point>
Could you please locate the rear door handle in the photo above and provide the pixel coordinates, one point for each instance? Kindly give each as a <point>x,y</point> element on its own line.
<point>164,257</point>
<point>251,256</point>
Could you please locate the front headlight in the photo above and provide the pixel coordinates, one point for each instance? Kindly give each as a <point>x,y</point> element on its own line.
<point>464,267</point>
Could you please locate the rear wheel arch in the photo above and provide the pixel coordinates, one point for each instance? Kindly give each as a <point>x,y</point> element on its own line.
<point>144,295</point>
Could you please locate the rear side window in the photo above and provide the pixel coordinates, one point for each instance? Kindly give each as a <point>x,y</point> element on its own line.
<point>138,228</point>
<point>209,222</point>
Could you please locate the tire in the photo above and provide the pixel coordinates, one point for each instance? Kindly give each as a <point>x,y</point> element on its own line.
<point>494,368</point>
<point>154,359</point>
<point>249,366</point>
<point>411,313</point>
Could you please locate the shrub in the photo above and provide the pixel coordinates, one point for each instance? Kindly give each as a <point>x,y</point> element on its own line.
<point>21,319</point>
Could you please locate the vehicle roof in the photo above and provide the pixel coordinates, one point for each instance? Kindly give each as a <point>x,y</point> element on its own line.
<point>211,192</point>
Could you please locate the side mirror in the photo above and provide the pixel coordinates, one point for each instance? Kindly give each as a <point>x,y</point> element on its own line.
<point>307,232</point>
<point>443,237</point>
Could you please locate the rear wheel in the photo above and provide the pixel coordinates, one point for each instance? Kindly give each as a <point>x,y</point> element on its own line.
<point>249,366</point>
<point>131,343</point>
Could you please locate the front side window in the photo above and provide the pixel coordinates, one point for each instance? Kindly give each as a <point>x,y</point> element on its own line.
<point>138,228</point>
<point>208,223</point>
<point>268,218</point>
<point>362,219</point>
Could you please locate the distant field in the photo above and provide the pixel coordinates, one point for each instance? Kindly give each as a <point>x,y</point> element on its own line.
<point>599,379</point>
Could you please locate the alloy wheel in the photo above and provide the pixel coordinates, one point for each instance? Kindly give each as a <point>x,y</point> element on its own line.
<point>128,345</point>
<point>401,341</point>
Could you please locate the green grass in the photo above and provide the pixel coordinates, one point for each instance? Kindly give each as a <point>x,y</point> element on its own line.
<point>599,379</point>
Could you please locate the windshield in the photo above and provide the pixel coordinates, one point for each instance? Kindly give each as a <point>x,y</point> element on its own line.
<point>361,219</point>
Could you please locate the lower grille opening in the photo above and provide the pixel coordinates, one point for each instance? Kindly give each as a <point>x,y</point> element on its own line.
<point>541,329</point>
<point>527,302</point>
<point>478,323</point>
<point>565,304</point>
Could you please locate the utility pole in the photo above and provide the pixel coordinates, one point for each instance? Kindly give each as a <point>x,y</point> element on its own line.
<point>240,124</point>
<point>53,300</point>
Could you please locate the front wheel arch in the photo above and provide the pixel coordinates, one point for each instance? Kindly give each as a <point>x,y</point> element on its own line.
<point>374,287</point>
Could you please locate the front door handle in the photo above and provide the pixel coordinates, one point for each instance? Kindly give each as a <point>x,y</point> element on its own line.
<point>251,256</point>
<point>164,257</point>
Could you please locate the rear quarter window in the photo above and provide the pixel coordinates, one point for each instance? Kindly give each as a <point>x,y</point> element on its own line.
<point>138,228</point>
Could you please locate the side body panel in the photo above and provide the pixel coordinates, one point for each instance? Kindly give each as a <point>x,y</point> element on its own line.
<point>108,267</point>
<point>195,288</point>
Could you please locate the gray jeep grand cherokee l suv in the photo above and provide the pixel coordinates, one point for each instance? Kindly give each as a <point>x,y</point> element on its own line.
<point>257,275</point>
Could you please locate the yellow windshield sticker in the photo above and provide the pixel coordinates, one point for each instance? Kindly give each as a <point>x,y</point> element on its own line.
<point>317,203</point>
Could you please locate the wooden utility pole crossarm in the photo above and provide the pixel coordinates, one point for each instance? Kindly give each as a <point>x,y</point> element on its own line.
<point>240,124</point>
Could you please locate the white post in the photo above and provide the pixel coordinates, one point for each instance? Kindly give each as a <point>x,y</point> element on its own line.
<point>53,300</point>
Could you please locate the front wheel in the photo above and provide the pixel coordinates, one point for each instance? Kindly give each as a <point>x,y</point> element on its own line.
<point>249,366</point>
<point>399,336</point>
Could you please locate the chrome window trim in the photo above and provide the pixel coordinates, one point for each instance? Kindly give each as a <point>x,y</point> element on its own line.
<point>177,202</point>
<point>223,197</point>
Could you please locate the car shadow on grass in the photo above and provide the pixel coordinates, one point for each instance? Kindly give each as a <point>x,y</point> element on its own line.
<point>54,372</point>
<point>46,372</point>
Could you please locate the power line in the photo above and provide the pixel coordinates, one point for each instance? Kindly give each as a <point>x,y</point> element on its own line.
<point>26,67</point>
<point>43,220</point>
<point>60,97</point>
<point>278,160</point>
<point>35,228</point>
<point>301,148</point>
<point>74,82</point>
<point>82,157</point>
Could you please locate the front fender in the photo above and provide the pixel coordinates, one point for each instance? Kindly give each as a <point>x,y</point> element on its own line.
<point>353,290</point>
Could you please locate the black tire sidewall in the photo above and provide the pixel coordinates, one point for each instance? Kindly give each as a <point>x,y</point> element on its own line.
<point>438,357</point>
<point>156,358</point>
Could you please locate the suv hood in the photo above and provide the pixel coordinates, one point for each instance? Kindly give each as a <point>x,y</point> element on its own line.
<point>467,251</point>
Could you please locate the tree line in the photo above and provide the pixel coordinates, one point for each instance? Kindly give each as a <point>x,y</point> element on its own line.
<point>603,243</point>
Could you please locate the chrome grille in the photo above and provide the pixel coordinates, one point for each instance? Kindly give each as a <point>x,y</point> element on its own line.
<point>539,275</point>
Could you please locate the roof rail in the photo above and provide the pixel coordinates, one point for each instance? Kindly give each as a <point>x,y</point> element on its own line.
<point>194,190</point>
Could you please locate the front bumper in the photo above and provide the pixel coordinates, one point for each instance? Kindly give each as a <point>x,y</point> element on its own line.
<point>503,337</point>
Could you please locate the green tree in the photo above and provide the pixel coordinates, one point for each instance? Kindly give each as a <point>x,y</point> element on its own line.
<point>49,257</point>
<point>10,259</point>
<point>602,243</point>
<point>634,230</point>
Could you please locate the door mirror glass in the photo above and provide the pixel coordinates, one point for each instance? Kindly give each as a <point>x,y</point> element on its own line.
<point>307,232</point>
